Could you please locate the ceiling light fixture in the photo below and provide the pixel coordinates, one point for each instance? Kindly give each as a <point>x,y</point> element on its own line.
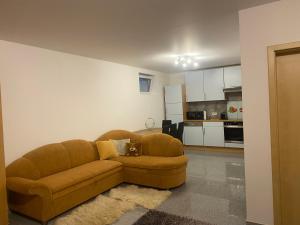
<point>187,61</point>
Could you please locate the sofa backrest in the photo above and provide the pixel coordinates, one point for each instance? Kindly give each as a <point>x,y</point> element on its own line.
<point>120,134</point>
<point>161,145</point>
<point>53,158</point>
<point>81,152</point>
<point>24,168</point>
<point>152,144</point>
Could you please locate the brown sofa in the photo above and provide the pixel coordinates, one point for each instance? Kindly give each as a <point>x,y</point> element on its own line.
<point>56,177</point>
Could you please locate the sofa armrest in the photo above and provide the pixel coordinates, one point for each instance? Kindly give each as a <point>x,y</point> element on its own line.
<point>176,147</point>
<point>27,187</point>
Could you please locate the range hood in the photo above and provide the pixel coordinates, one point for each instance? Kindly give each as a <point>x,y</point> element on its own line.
<point>233,89</point>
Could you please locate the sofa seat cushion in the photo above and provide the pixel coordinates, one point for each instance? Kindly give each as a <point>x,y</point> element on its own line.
<point>152,162</point>
<point>60,181</point>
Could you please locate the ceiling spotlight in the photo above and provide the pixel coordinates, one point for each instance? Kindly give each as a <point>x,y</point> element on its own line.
<point>186,61</point>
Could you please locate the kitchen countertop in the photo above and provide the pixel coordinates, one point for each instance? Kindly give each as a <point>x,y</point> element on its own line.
<point>213,120</point>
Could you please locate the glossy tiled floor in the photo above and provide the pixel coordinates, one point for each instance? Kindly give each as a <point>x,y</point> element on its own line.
<point>214,192</point>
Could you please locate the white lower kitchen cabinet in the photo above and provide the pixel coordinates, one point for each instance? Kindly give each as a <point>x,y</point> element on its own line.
<point>213,134</point>
<point>193,135</point>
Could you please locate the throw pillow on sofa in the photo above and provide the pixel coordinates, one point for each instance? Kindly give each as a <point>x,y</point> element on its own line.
<point>121,145</point>
<point>107,150</point>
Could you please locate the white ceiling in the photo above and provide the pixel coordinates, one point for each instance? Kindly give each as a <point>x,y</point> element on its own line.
<point>143,33</point>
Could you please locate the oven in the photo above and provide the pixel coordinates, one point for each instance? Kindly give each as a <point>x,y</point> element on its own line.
<point>234,134</point>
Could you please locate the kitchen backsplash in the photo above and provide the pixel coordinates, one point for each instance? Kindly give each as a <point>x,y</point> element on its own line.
<point>235,110</point>
<point>209,107</point>
<point>232,108</point>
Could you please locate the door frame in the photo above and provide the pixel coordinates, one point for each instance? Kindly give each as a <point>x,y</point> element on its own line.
<point>3,196</point>
<point>273,52</point>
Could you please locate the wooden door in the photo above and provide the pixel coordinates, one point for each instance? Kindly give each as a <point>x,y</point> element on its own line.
<point>214,84</point>
<point>284,80</point>
<point>3,201</point>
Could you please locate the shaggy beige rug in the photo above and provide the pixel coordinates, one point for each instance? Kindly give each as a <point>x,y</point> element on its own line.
<point>146,197</point>
<point>101,211</point>
<point>106,210</point>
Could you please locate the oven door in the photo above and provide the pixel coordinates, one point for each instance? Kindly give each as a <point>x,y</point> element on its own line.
<point>234,134</point>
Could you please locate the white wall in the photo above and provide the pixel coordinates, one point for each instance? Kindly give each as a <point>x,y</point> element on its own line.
<point>262,26</point>
<point>176,78</point>
<point>49,96</point>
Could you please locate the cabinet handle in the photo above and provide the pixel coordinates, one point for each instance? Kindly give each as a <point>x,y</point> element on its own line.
<point>203,131</point>
<point>204,96</point>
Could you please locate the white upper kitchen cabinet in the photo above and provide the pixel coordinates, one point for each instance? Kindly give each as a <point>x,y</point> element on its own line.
<point>213,134</point>
<point>193,135</point>
<point>214,84</point>
<point>194,86</point>
<point>232,76</point>
<point>173,94</point>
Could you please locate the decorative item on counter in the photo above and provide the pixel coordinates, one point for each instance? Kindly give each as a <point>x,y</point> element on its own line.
<point>214,115</point>
<point>235,110</point>
<point>223,116</point>
<point>232,109</point>
<point>149,123</point>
